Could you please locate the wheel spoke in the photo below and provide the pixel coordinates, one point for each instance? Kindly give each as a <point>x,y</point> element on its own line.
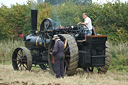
<point>21,51</point>
<point>18,55</point>
<point>19,65</point>
<point>24,66</point>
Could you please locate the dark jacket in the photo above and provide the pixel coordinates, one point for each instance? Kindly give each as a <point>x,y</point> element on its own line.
<point>58,50</point>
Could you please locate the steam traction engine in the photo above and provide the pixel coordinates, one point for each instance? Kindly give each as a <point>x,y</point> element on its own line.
<point>87,53</point>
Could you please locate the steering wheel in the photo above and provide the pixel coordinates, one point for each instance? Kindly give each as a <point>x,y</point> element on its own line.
<point>80,28</point>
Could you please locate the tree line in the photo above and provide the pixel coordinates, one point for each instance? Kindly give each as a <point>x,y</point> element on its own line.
<point>109,19</point>
<point>54,2</point>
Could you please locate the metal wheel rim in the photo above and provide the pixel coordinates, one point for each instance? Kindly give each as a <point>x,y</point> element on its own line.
<point>21,59</point>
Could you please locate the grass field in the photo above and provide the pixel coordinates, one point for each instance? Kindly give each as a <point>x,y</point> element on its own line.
<point>116,75</point>
<point>43,77</point>
<point>7,48</point>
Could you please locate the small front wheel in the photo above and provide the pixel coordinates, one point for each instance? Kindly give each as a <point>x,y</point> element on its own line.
<point>21,59</point>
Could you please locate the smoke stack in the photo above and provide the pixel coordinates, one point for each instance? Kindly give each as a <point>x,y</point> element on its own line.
<point>33,21</point>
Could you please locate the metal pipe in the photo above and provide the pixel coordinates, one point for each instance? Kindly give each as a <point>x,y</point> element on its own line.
<point>33,21</point>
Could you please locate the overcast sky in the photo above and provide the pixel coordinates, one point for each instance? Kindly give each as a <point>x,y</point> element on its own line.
<point>10,2</point>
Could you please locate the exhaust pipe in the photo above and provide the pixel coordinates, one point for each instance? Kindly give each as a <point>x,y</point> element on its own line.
<point>33,21</point>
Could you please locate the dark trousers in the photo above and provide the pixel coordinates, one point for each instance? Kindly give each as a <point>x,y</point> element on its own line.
<point>59,67</point>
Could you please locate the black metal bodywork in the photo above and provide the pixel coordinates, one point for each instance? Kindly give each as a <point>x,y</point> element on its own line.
<point>91,51</point>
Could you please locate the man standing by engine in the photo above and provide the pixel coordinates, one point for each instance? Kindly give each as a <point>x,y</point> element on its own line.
<point>58,53</point>
<point>87,24</point>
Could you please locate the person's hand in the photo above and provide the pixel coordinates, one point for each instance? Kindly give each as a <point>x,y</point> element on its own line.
<point>50,52</point>
<point>79,23</point>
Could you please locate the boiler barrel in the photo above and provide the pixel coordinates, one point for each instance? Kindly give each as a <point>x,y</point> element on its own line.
<point>35,42</point>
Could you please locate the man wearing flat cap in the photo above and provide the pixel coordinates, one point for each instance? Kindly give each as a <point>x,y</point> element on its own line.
<point>58,53</point>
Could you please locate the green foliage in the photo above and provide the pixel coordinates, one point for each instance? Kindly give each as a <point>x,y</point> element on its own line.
<point>44,13</point>
<point>54,2</point>
<point>68,14</point>
<point>108,19</point>
<point>112,18</point>
<point>18,16</point>
<point>119,56</point>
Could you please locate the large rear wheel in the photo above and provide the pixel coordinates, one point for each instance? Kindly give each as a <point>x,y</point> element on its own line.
<point>107,60</point>
<point>71,54</point>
